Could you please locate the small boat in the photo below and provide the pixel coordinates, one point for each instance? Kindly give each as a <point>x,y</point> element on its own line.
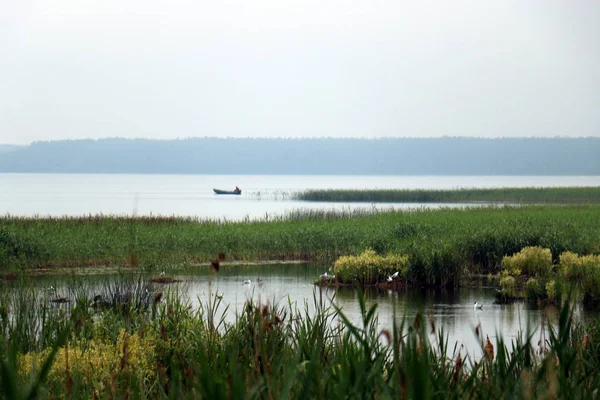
<point>219,191</point>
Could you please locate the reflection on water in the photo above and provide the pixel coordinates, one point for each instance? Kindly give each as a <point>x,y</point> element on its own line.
<point>293,283</point>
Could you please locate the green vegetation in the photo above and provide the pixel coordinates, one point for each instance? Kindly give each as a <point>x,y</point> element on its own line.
<point>167,349</point>
<point>442,245</point>
<point>544,281</point>
<point>369,267</point>
<point>558,195</point>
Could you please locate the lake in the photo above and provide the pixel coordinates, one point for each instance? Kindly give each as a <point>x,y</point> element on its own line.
<point>263,197</point>
<point>192,195</point>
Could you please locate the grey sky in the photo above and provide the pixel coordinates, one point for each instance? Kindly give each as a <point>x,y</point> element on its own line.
<point>310,68</point>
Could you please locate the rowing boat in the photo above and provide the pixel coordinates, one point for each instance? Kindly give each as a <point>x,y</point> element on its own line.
<point>219,191</point>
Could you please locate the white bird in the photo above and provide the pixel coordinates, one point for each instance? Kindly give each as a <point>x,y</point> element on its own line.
<point>477,306</point>
<point>393,276</point>
<point>247,282</point>
<point>162,274</point>
<point>326,276</point>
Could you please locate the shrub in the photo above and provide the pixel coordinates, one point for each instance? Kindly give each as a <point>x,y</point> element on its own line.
<point>369,267</point>
<point>95,363</point>
<point>531,261</point>
<point>534,290</point>
<point>507,283</point>
<point>570,265</point>
<point>553,290</point>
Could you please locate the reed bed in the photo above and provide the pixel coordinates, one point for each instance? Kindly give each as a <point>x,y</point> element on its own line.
<point>276,351</point>
<point>538,195</point>
<point>442,245</point>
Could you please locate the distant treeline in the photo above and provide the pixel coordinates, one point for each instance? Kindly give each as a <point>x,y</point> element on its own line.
<point>433,156</point>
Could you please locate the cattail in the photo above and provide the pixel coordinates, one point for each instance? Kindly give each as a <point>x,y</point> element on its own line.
<point>586,341</point>
<point>457,368</point>
<point>417,324</point>
<point>489,348</point>
<point>432,325</point>
<point>158,297</point>
<point>215,265</point>
<point>387,335</point>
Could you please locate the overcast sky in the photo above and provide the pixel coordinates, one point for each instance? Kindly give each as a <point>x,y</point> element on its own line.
<point>282,68</point>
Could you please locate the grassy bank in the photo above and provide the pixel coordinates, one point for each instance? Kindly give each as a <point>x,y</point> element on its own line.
<point>558,195</point>
<point>166,349</point>
<point>440,244</point>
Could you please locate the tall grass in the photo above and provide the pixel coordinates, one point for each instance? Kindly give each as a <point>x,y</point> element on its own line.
<point>441,244</point>
<point>551,195</point>
<point>275,351</point>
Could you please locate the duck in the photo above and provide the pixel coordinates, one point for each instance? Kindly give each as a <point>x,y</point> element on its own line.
<point>477,306</point>
<point>247,282</point>
<point>393,276</point>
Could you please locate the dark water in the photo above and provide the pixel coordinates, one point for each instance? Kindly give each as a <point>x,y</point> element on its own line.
<point>281,284</point>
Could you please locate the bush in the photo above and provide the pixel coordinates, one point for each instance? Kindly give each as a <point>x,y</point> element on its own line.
<point>570,265</point>
<point>531,261</point>
<point>534,290</point>
<point>553,291</point>
<point>369,267</point>
<point>507,283</point>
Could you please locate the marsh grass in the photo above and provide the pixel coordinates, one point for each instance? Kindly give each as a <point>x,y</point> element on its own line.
<point>275,351</point>
<point>551,195</point>
<point>441,244</point>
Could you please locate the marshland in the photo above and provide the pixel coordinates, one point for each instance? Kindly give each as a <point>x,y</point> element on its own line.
<point>244,318</point>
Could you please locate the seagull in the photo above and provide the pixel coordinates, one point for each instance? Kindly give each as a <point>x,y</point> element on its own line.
<point>247,282</point>
<point>393,276</point>
<point>477,306</point>
<point>326,276</point>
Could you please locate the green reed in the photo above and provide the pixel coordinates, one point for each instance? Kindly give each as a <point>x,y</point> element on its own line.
<point>551,195</point>
<point>281,351</point>
<point>442,245</point>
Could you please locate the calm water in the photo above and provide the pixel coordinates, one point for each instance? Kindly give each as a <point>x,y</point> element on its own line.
<point>281,284</point>
<point>192,195</point>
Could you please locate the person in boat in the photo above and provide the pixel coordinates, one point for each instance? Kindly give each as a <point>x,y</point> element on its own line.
<point>237,190</point>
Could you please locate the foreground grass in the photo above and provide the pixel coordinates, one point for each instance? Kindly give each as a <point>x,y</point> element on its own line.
<point>557,195</point>
<point>166,349</point>
<point>442,245</point>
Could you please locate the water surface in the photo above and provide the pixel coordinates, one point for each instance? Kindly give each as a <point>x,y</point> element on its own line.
<point>192,195</point>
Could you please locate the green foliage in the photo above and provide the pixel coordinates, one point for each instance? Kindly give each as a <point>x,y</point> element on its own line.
<point>441,244</point>
<point>583,272</point>
<point>18,249</point>
<point>508,283</point>
<point>281,352</point>
<point>531,261</point>
<point>534,290</point>
<point>369,267</point>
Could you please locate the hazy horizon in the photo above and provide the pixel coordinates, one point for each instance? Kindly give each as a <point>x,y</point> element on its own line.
<point>90,69</point>
<point>288,138</point>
